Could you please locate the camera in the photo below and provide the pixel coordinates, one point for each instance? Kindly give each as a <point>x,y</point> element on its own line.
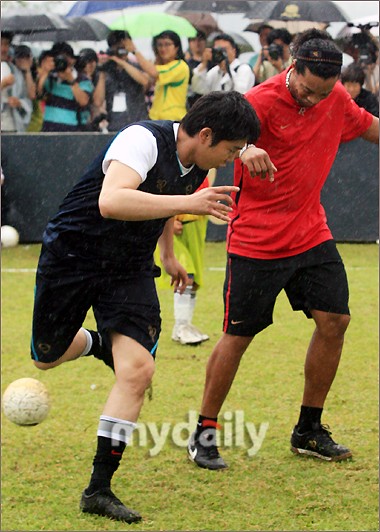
<point>218,55</point>
<point>60,63</point>
<point>365,47</point>
<point>120,52</point>
<point>275,51</point>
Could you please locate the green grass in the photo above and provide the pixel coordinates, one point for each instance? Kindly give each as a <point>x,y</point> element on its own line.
<point>45,468</point>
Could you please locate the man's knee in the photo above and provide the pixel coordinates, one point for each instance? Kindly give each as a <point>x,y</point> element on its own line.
<point>44,365</point>
<point>333,325</point>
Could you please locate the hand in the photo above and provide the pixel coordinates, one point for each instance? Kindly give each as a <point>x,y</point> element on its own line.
<point>25,63</point>
<point>258,163</point>
<point>47,64</point>
<point>178,227</point>
<point>213,201</point>
<point>14,102</point>
<point>177,272</point>
<point>66,75</point>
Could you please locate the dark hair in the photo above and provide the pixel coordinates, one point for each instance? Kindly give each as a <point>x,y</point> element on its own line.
<point>43,54</point>
<point>353,73</point>
<point>200,35</point>
<point>8,35</point>
<point>22,51</point>
<point>226,37</point>
<point>173,36</point>
<point>280,33</point>
<point>317,42</point>
<point>85,56</point>
<point>228,114</point>
<point>62,48</point>
<point>116,36</point>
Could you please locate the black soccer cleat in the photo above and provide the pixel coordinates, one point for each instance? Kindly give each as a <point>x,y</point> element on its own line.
<point>204,453</point>
<point>103,502</point>
<point>318,443</point>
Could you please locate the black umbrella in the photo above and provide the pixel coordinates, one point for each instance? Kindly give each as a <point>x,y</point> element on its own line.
<point>79,29</point>
<point>211,6</point>
<point>32,23</point>
<point>290,10</point>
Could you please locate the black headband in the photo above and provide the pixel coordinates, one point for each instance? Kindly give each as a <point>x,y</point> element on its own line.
<point>320,56</point>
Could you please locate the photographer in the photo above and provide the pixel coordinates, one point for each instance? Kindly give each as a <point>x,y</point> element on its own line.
<point>275,56</point>
<point>364,49</point>
<point>125,82</point>
<point>226,73</point>
<point>67,94</point>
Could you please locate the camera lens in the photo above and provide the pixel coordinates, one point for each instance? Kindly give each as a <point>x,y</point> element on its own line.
<point>60,63</point>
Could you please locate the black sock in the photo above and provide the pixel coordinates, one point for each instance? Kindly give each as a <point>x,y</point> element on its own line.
<point>310,417</point>
<point>107,459</point>
<point>98,349</point>
<point>205,423</point>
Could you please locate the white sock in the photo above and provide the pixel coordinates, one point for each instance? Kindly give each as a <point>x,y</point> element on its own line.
<point>184,306</point>
<point>87,349</point>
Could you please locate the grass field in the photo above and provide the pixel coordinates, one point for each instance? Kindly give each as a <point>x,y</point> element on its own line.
<point>45,468</point>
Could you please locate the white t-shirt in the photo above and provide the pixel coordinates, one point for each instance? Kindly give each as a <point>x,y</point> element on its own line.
<point>7,122</point>
<point>144,154</point>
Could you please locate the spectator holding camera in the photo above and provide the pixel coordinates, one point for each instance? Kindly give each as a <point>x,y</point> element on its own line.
<point>125,82</point>
<point>66,93</point>
<point>275,57</point>
<point>227,72</point>
<point>16,103</point>
<point>86,66</point>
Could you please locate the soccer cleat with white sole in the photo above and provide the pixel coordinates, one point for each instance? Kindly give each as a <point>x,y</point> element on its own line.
<point>185,335</point>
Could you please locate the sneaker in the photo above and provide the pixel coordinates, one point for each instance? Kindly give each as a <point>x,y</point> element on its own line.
<point>204,337</point>
<point>185,335</point>
<point>318,443</point>
<point>205,456</point>
<point>104,502</point>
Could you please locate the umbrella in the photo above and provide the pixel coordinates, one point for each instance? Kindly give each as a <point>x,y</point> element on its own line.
<point>86,8</point>
<point>241,41</point>
<point>32,23</point>
<point>149,24</point>
<point>357,26</point>
<point>293,26</point>
<point>211,6</point>
<point>79,29</point>
<point>201,21</point>
<point>290,10</point>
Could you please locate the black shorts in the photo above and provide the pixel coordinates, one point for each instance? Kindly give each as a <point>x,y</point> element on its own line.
<point>66,288</point>
<point>314,280</point>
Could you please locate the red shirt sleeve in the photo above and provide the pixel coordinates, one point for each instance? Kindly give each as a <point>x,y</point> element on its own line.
<point>356,119</point>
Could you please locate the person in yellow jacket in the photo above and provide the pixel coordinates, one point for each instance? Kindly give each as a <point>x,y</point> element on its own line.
<point>170,73</point>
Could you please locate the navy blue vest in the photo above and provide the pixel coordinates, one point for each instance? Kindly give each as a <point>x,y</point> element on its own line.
<point>79,229</point>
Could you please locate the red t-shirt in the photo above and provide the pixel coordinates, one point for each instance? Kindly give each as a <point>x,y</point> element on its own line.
<point>285,217</point>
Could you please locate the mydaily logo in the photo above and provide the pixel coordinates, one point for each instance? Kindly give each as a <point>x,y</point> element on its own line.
<point>235,432</point>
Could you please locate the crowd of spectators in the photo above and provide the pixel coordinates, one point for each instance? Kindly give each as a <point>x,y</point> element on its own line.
<point>90,91</point>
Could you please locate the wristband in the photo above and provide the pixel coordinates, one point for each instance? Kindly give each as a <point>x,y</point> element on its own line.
<point>71,83</point>
<point>246,148</point>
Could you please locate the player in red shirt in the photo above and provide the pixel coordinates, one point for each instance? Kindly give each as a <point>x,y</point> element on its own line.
<point>278,238</point>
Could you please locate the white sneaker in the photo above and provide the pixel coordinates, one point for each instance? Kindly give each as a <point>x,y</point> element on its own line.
<point>204,337</point>
<point>185,335</point>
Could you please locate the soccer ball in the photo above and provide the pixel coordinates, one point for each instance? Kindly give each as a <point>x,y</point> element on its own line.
<point>26,402</point>
<point>9,236</point>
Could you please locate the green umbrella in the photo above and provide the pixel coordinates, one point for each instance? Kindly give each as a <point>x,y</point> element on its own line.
<point>151,23</point>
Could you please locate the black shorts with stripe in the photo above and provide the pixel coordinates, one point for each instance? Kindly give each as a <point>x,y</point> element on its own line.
<point>67,288</point>
<point>313,280</point>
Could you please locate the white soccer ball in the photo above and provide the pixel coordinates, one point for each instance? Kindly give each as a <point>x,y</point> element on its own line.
<point>9,236</point>
<point>26,402</point>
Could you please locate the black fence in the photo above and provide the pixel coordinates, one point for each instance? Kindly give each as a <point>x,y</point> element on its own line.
<point>40,169</point>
